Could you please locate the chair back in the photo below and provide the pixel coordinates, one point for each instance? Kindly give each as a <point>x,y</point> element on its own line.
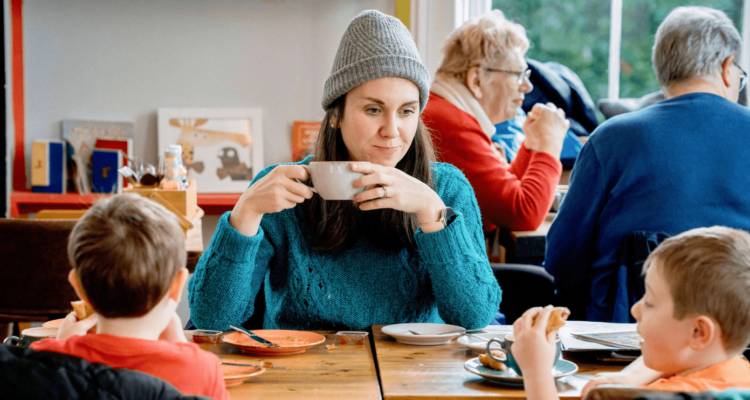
<point>619,392</point>
<point>524,287</point>
<point>630,285</point>
<point>34,284</point>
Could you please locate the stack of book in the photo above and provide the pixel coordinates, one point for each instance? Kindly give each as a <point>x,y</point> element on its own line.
<point>48,172</point>
<point>96,150</point>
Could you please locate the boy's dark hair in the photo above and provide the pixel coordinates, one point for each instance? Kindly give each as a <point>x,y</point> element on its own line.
<point>708,273</point>
<point>126,251</point>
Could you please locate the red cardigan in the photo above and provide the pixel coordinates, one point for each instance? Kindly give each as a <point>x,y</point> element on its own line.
<point>516,196</point>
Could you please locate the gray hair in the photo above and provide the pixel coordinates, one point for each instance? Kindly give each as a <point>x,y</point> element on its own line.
<point>693,42</point>
<point>479,41</point>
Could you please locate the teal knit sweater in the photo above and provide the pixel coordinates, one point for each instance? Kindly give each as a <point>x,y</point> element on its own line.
<point>446,279</point>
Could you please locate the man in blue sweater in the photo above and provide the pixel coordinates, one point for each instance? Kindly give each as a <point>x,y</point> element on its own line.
<point>677,165</point>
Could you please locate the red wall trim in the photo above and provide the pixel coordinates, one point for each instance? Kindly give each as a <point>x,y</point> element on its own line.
<point>19,155</point>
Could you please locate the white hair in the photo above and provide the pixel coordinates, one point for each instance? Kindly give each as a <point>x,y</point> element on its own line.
<point>479,41</point>
<point>693,42</point>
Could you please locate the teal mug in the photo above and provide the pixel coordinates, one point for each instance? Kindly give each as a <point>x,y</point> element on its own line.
<point>510,361</point>
<point>29,336</point>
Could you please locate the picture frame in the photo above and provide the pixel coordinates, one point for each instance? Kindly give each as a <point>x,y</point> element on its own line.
<point>222,148</point>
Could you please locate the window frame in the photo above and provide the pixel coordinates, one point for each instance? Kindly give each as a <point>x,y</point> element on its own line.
<point>467,9</point>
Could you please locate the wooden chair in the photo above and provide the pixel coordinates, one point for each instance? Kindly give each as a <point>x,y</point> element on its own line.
<point>193,242</point>
<point>34,274</point>
<point>622,392</point>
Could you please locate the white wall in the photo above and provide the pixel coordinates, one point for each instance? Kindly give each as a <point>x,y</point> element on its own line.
<point>121,60</point>
<point>431,23</point>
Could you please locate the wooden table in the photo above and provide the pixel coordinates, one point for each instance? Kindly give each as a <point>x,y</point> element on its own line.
<point>432,372</point>
<point>348,372</point>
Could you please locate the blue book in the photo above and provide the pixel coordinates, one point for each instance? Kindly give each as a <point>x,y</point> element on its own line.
<point>48,170</point>
<point>105,164</point>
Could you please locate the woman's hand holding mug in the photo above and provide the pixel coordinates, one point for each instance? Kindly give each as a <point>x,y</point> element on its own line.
<point>275,192</point>
<point>392,188</point>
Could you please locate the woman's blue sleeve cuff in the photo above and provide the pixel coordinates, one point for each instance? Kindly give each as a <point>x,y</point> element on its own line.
<point>447,245</point>
<point>232,244</point>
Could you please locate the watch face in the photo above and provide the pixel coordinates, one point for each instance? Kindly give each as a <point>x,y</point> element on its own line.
<point>450,215</point>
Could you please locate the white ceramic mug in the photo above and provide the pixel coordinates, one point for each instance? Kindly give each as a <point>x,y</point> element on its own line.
<point>334,180</point>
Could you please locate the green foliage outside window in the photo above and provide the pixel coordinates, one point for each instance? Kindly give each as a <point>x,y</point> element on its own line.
<point>575,33</point>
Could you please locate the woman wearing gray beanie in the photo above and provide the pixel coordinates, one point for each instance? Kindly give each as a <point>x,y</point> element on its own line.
<point>409,248</point>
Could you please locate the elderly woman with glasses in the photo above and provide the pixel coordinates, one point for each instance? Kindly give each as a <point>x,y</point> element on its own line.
<point>482,82</point>
<point>677,165</point>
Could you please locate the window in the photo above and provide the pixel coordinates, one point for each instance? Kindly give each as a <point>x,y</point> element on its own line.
<point>640,19</point>
<point>576,33</point>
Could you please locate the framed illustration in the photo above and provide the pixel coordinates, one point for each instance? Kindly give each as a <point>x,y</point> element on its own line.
<point>222,148</point>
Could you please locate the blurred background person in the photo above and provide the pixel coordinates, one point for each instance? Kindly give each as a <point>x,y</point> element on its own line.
<point>677,165</point>
<point>482,82</point>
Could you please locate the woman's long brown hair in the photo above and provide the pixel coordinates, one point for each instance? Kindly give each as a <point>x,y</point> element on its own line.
<point>334,226</point>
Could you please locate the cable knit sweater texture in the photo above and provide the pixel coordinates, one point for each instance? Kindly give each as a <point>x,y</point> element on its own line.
<point>446,279</point>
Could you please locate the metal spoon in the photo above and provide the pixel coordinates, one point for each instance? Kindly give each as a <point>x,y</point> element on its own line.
<point>476,337</point>
<point>460,331</point>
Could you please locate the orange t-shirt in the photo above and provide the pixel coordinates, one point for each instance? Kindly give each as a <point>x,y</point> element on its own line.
<point>732,373</point>
<point>191,370</point>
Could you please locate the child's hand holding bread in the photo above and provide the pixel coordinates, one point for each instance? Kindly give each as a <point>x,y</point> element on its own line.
<point>79,322</point>
<point>535,332</point>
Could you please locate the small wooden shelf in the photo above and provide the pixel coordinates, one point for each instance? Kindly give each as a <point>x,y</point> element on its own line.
<point>26,202</point>
<point>217,203</point>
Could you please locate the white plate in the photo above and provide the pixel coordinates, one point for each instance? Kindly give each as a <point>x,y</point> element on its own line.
<point>401,333</point>
<point>480,346</point>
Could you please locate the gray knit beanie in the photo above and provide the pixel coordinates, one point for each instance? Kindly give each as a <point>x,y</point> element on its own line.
<point>375,46</point>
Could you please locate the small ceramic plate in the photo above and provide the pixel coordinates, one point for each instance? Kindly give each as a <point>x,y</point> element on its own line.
<point>510,377</point>
<point>401,333</point>
<point>291,342</point>
<point>235,375</point>
<point>55,323</point>
<point>480,346</point>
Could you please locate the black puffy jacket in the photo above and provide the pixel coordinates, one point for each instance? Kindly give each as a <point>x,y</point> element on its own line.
<point>28,374</point>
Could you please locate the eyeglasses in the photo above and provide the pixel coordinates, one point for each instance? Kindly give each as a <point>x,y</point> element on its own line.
<point>521,75</point>
<point>743,77</point>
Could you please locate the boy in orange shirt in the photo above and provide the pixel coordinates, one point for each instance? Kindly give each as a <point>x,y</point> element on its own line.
<point>128,256</point>
<point>694,320</point>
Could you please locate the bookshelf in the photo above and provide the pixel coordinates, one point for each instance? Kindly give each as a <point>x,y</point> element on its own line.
<point>23,203</point>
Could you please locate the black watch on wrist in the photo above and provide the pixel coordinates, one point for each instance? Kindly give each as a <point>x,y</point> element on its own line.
<point>447,216</point>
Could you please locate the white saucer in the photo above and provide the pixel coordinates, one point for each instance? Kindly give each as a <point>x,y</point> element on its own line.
<point>401,333</point>
<point>509,377</point>
<point>480,346</point>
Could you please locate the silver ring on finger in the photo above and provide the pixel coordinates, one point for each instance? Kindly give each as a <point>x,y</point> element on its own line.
<point>385,192</point>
